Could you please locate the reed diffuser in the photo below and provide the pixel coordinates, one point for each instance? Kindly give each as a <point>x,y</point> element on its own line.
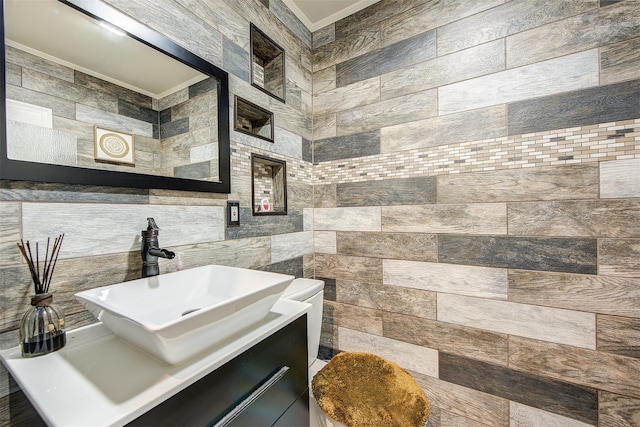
<point>42,328</point>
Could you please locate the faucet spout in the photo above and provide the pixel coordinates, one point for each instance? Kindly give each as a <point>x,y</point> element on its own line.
<point>151,250</point>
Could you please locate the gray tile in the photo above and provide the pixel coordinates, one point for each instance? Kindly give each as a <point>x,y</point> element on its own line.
<point>346,147</point>
<point>256,226</point>
<point>602,104</point>
<point>620,62</point>
<point>235,59</point>
<point>398,55</point>
<point>200,170</point>
<point>324,35</point>
<point>282,12</point>
<point>397,246</point>
<point>387,192</point>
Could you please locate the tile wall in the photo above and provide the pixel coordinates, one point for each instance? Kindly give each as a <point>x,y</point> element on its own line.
<point>477,198</point>
<point>102,224</point>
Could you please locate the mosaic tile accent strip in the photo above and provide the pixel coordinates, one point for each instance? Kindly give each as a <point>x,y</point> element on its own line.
<point>593,143</point>
<point>297,170</point>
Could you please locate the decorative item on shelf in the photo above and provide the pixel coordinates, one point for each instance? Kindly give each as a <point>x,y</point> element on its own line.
<point>42,328</point>
<point>111,146</point>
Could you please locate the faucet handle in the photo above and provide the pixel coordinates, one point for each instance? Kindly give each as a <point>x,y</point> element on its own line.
<point>152,224</point>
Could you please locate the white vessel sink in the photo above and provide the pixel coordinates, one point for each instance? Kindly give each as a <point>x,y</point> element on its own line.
<point>177,315</point>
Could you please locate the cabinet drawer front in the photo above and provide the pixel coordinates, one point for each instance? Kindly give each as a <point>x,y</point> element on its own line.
<point>210,399</point>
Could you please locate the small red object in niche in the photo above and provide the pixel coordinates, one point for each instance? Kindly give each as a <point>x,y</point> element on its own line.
<point>265,206</point>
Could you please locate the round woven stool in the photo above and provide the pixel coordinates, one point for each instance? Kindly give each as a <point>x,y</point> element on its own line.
<point>362,389</point>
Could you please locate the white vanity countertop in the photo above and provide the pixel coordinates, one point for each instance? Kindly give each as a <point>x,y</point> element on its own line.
<point>99,380</point>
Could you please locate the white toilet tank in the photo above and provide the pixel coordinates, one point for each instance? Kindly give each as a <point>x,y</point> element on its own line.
<point>310,291</point>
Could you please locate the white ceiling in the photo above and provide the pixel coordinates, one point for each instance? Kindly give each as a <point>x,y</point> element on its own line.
<point>316,14</point>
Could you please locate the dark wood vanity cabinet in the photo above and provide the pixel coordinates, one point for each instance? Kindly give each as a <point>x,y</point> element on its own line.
<point>267,385</point>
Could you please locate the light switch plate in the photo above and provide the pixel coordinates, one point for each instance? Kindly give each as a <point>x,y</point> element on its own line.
<point>233,214</point>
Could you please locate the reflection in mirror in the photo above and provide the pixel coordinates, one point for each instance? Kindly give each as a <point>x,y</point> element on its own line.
<point>88,95</point>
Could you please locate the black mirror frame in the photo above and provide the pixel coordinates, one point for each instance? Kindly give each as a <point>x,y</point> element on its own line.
<point>32,171</point>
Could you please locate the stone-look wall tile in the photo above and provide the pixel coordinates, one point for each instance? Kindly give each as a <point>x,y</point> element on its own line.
<point>347,219</point>
<point>620,178</point>
<point>60,107</point>
<point>293,245</point>
<point>358,42</point>
<point>542,323</point>
<point>601,104</point>
<point>373,15</point>
<point>284,14</point>
<point>472,342</point>
<point>116,228</point>
<point>23,59</point>
<point>591,218</point>
<point>405,191</point>
<point>346,97</point>
<point>403,109</point>
<point>464,402</point>
<point>408,246</point>
<point>307,219</point>
<point>527,253</point>
<point>324,80</point>
<point>293,267</point>
<point>619,257</point>
<point>427,16</point>
<point>87,114</point>
<point>572,72</point>
<point>324,126</point>
<point>616,296</point>
<point>544,183</point>
<point>253,226</point>
<point>348,146</point>
<point>604,371</point>
<point>478,218</point>
<point>595,28</point>
<point>481,282</point>
<point>547,394</point>
<point>324,196</point>
<point>394,299</point>
<point>467,64</point>
<point>50,192</point>
<point>465,126</point>
<point>409,356</point>
<point>349,268</point>
<point>10,233</point>
<point>527,416</point>
<point>323,36</point>
<point>616,410</point>
<point>510,18</point>
<point>357,318</point>
<point>324,242</point>
<point>619,335</point>
<point>410,51</point>
<point>620,62</point>
<point>235,59</point>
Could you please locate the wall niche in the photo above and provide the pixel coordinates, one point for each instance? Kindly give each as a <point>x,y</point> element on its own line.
<point>267,64</point>
<point>268,186</point>
<point>252,119</point>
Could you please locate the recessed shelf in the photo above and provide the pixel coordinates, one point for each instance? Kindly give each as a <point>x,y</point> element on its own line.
<point>268,186</point>
<point>267,64</point>
<point>252,119</point>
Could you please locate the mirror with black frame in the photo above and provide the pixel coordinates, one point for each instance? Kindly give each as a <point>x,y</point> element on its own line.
<point>94,97</point>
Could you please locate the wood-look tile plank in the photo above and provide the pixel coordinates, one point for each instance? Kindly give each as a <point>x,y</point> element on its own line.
<point>10,233</point>
<point>619,335</point>
<point>551,395</point>
<point>346,97</point>
<point>567,73</point>
<point>587,30</point>
<point>471,342</point>
<point>324,196</point>
<point>408,246</point>
<point>464,126</point>
<point>357,318</point>
<point>620,62</point>
<point>527,416</point>
<point>347,146</point>
<point>409,356</point>
<point>291,245</point>
<point>387,192</point>
<point>617,296</point>
<point>324,242</point>
<point>455,279</point>
<point>589,368</point>
<point>347,219</point>
<point>619,257</point>
<point>543,323</point>
<point>349,268</point>
<point>396,299</point>
<point>358,42</point>
<point>620,178</point>
<point>544,183</point>
<point>464,402</point>
<point>477,218</point>
<point>618,411</point>
<point>588,218</point>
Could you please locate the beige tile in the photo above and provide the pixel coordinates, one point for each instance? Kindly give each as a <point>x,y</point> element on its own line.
<point>409,356</point>
<point>408,246</point>
<point>324,242</point>
<point>572,72</point>
<point>356,318</point>
<point>619,257</point>
<point>621,61</point>
<point>478,218</point>
<point>603,371</point>
<point>291,245</point>
<point>526,416</point>
<point>347,219</point>
<point>346,97</point>
<point>542,323</point>
<point>349,268</point>
<point>481,282</point>
<point>620,178</point>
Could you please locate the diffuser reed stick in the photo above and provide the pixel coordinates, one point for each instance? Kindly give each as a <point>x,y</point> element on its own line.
<point>41,281</point>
